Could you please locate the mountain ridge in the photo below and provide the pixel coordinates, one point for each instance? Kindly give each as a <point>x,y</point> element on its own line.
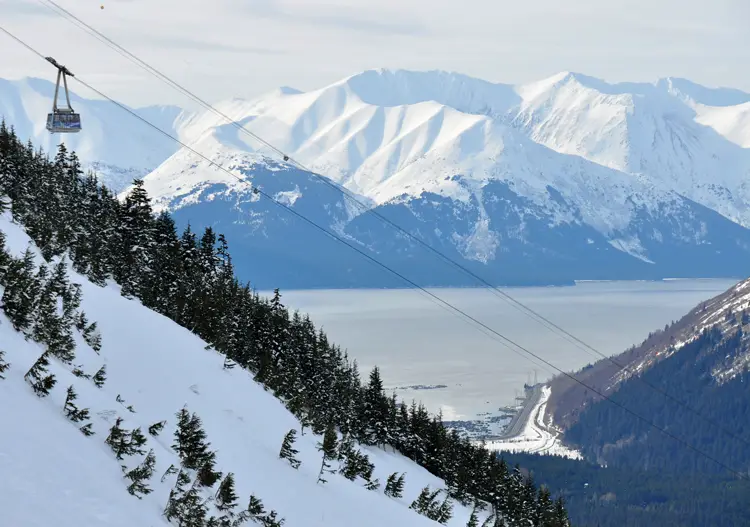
<point>626,167</point>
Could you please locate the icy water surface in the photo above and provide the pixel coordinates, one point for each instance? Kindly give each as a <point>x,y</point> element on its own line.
<point>415,341</point>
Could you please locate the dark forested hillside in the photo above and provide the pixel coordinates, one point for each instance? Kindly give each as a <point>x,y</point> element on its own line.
<point>190,278</point>
<point>629,497</point>
<point>692,380</point>
<point>611,435</point>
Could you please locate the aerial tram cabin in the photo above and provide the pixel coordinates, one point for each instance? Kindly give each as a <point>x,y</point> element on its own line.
<point>62,120</point>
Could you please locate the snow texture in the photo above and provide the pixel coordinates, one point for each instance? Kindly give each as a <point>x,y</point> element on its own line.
<point>54,475</point>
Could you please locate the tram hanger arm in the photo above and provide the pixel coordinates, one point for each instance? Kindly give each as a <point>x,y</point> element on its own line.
<point>60,67</point>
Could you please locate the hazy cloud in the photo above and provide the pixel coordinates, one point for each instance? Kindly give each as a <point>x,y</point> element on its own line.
<point>363,19</point>
<point>193,44</point>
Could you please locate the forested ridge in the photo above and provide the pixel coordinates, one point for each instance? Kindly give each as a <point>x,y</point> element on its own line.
<point>610,435</point>
<point>627,496</point>
<point>189,277</point>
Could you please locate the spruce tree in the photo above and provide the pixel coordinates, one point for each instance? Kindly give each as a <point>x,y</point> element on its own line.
<point>140,475</point>
<point>394,486</point>
<point>156,428</point>
<point>473,519</point>
<point>21,290</point>
<point>375,412</point>
<point>137,441</point>
<point>100,376</point>
<point>39,378</point>
<point>561,515</point>
<point>207,475</point>
<point>444,512</point>
<point>71,410</point>
<point>287,449</point>
<point>119,440</point>
<point>226,499</point>
<point>137,238</point>
<point>4,366</point>
<point>328,448</point>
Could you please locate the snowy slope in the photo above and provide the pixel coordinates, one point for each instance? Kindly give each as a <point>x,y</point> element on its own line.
<point>55,475</point>
<point>650,131</point>
<point>117,145</point>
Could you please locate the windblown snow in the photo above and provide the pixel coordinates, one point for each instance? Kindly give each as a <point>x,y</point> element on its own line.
<point>54,475</point>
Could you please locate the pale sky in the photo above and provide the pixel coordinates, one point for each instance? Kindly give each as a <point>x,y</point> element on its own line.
<point>242,48</point>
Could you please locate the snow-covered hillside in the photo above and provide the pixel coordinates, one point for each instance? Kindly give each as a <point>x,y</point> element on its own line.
<point>53,474</point>
<point>561,179</point>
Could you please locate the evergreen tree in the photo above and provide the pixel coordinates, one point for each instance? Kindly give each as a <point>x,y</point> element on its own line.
<point>190,440</point>
<point>156,428</point>
<point>473,519</point>
<point>375,411</point>
<point>119,440</point>
<point>137,238</point>
<point>561,515</point>
<point>100,376</point>
<point>140,474</point>
<point>186,505</point>
<point>39,378</point>
<point>193,448</point>
<point>207,475</point>
<point>425,503</point>
<point>4,365</point>
<point>394,486</point>
<point>137,441</point>
<point>86,430</point>
<point>444,512</point>
<point>71,410</point>
<point>287,449</point>
<point>226,499</point>
<point>355,463</point>
<point>21,290</point>
<point>328,448</point>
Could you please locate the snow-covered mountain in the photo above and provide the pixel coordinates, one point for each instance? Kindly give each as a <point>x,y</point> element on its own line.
<point>566,178</point>
<point>53,474</point>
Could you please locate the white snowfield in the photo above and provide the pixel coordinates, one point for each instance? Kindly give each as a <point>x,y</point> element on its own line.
<point>387,133</point>
<point>538,436</point>
<point>51,474</point>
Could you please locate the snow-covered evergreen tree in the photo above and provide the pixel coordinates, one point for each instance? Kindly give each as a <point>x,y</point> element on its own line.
<point>394,486</point>
<point>156,428</point>
<point>100,376</point>
<point>140,475</point>
<point>287,449</point>
<point>38,376</point>
<point>473,519</point>
<point>328,448</point>
<point>118,439</point>
<point>71,410</point>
